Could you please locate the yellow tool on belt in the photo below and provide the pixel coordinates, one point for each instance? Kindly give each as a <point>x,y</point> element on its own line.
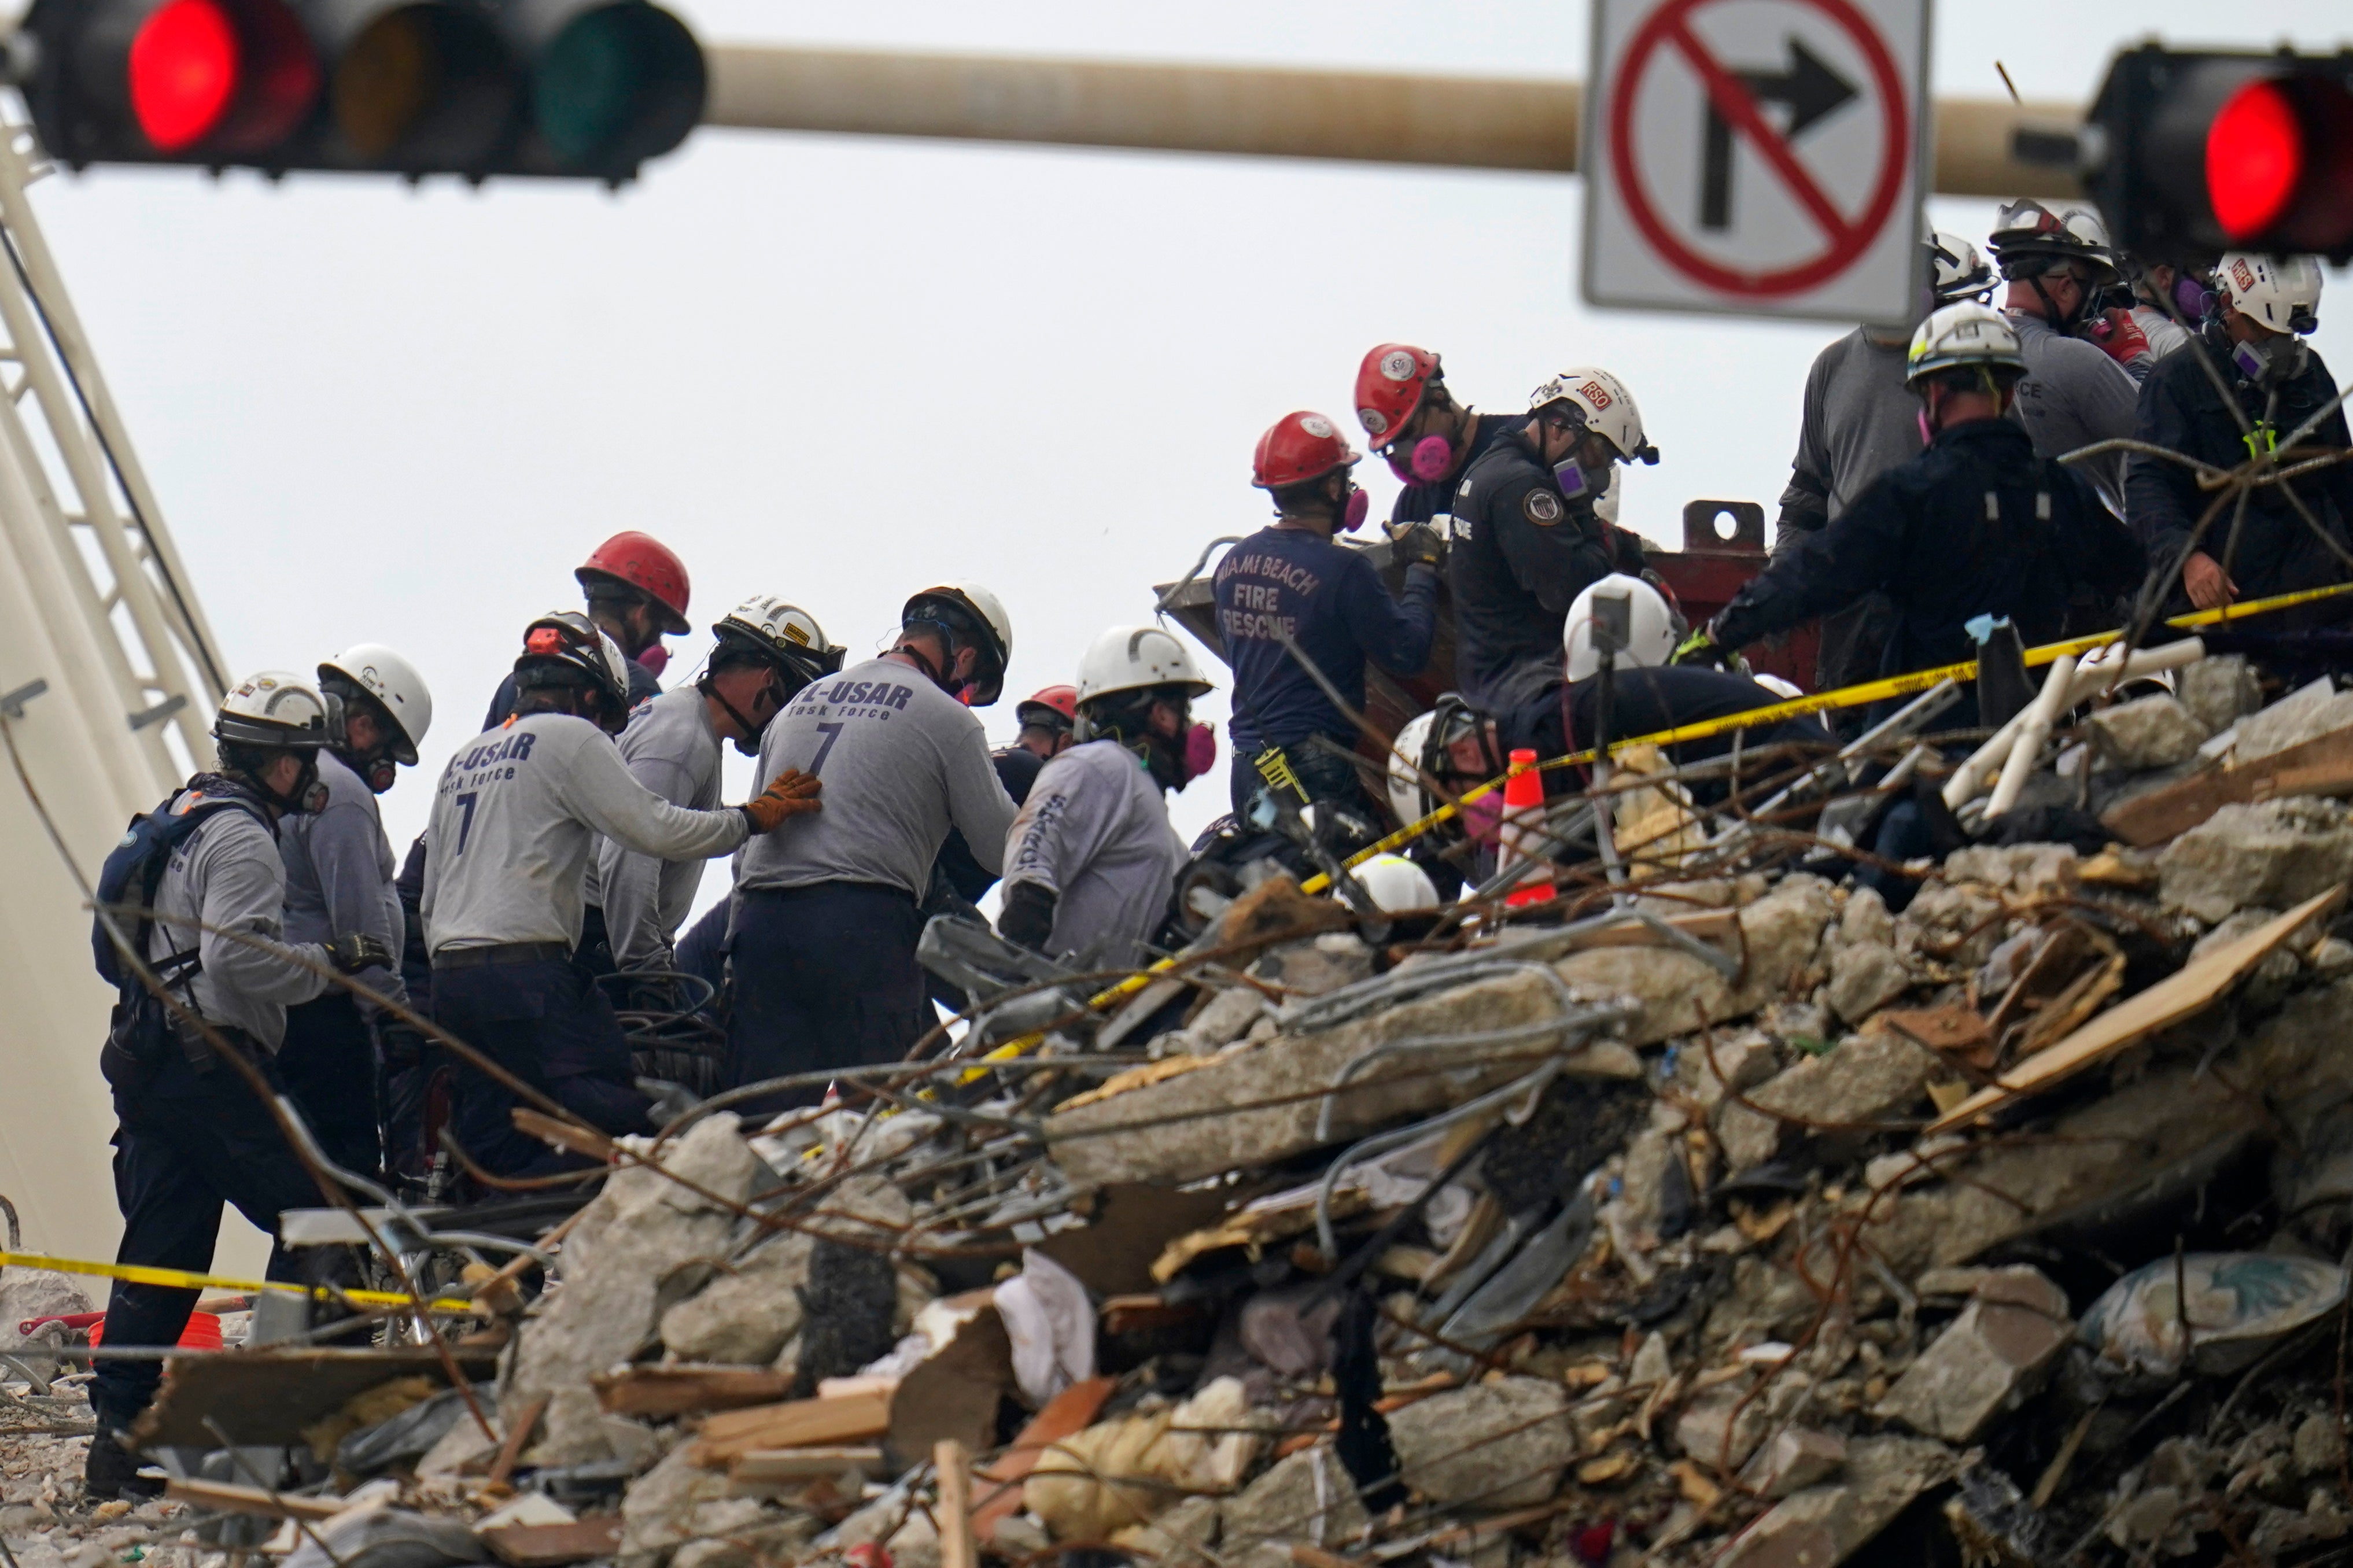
<point>182,1279</point>
<point>1820,701</point>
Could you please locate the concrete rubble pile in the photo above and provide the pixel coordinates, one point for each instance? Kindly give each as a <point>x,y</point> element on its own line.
<point>1744,1220</point>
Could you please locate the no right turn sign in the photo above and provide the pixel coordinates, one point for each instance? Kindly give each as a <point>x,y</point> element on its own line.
<point>1756,156</point>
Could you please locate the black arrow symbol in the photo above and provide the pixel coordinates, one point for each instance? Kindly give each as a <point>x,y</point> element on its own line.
<point>1809,90</point>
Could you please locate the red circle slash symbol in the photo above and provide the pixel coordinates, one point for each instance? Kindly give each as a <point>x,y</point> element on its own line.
<point>1845,241</point>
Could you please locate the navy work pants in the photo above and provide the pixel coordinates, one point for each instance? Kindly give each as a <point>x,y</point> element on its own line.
<point>188,1142</point>
<point>329,1064</point>
<point>546,1021</point>
<point>825,977</point>
<point>1325,777</point>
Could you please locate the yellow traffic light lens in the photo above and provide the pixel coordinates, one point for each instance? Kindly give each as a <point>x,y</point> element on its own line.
<point>386,82</point>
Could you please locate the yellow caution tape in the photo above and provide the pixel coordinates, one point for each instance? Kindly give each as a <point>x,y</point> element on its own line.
<point>180,1279</point>
<point>1870,691</point>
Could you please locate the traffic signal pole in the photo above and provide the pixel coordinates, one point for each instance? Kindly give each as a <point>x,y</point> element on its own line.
<point>1984,147</point>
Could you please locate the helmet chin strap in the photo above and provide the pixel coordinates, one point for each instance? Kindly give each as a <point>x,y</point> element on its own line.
<point>749,743</point>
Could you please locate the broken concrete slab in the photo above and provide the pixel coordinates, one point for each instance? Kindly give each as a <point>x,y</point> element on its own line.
<point>1991,1357</point>
<point>1308,1497</point>
<point>675,1502</point>
<point>2303,715</point>
<point>1677,992</point>
<point>1862,1080</point>
<point>743,1316</point>
<point>2274,853</point>
<point>1795,1458</point>
<point>1501,1444</point>
<point>642,1226</point>
<point>2218,691</point>
<point>1864,977</point>
<point>1823,1526</point>
<point>2154,732</point>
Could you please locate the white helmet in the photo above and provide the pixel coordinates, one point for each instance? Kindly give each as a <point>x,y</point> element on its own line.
<point>2029,240</point>
<point>1965,333</point>
<point>1602,404</point>
<point>982,611</point>
<point>1785,689</point>
<point>1955,271</point>
<point>1651,626</point>
<point>1132,659</point>
<point>2282,292</point>
<point>394,682</point>
<point>784,633</point>
<point>1398,886</point>
<point>274,708</point>
<point>1406,798</point>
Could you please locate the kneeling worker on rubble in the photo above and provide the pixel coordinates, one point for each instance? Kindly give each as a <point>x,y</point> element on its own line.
<point>1975,525</point>
<point>194,1134</point>
<point>1289,581</point>
<point>514,823</point>
<point>1091,861</point>
<point>828,915</point>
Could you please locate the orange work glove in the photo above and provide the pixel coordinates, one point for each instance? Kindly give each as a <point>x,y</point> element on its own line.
<point>789,794</point>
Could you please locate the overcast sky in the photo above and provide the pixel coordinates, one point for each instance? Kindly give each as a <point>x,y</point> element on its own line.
<point>836,369</point>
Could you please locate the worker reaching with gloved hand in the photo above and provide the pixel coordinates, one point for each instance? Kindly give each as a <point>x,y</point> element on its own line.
<point>764,654</point>
<point>1412,419</point>
<point>205,876</point>
<point>1091,862</point>
<point>2255,345</point>
<point>1292,580</point>
<point>339,880</point>
<point>514,824</point>
<point>829,912</point>
<point>1978,524</point>
<point>1527,539</point>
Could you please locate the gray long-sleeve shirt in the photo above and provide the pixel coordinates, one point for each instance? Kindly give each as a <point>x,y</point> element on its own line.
<point>229,875</point>
<point>515,817</point>
<point>1859,421</point>
<point>2074,395</point>
<point>1094,832</point>
<point>340,871</point>
<point>901,762</point>
<point>672,747</point>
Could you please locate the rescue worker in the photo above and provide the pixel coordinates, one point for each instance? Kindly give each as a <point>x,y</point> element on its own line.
<point>765,652</point>
<point>1411,420</point>
<point>1091,862</point>
<point>1527,539</point>
<point>1291,580</point>
<point>339,878</point>
<point>1048,717</point>
<point>828,915</point>
<point>514,824</point>
<point>2169,302</point>
<point>1858,422</point>
<point>192,1133</point>
<point>2076,392</point>
<point>2256,344</point>
<point>1978,524</point>
<point>1648,693</point>
<point>637,592</point>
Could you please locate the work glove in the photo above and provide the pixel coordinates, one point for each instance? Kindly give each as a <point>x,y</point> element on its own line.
<point>2119,335</point>
<point>789,794</point>
<point>1700,649</point>
<point>356,950</point>
<point>1417,541</point>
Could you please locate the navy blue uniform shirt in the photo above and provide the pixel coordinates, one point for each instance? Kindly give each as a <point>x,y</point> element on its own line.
<point>1329,600</point>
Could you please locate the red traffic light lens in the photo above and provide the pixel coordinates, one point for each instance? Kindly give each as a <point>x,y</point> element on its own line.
<point>183,68</point>
<point>2254,159</point>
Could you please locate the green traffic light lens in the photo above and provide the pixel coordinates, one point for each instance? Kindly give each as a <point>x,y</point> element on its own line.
<point>620,83</point>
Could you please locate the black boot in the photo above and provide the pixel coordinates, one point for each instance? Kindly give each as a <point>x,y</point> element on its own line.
<point>113,1471</point>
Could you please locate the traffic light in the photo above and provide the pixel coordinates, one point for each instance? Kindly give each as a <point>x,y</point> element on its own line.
<point>2192,153</point>
<point>587,88</point>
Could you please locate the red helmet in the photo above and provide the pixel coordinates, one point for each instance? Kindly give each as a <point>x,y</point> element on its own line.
<point>646,564</point>
<point>1389,385</point>
<point>1062,704</point>
<point>1298,448</point>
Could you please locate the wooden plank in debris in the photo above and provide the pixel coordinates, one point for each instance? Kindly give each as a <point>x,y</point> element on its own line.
<point>794,1424</point>
<point>224,1496</point>
<point>552,1545</point>
<point>2320,766</point>
<point>2165,1004</point>
<point>511,1445</point>
<point>687,1388</point>
<point>803,1464</point>
<point>953,1465</point>
<point>267,1396</point>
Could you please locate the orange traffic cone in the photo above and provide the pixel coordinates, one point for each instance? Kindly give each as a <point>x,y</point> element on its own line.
<point>1522,812</point>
